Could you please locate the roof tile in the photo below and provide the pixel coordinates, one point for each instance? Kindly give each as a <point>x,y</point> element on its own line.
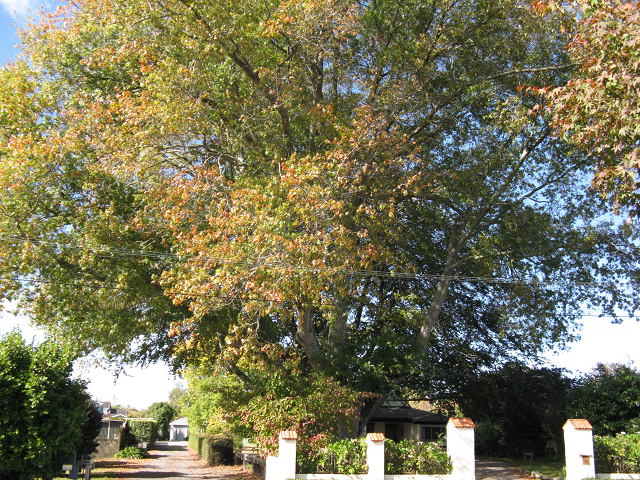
<point>289,435</point>
<point>579,424</point>
<point>462,422</point>
<point>375,437</point>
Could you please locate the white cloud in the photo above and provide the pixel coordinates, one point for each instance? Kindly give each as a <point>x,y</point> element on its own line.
<point>20,7</point>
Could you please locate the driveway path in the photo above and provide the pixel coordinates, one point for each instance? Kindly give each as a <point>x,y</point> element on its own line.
<point>492,470</point>
<point>173,460</point>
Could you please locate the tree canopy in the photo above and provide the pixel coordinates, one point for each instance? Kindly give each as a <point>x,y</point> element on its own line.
<point>609,397</point>
<point>597,110</point>
<point>163,413</point>
<point>517,408</point>
<point>364,186</point>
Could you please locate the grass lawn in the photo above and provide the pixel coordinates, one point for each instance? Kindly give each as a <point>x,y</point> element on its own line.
<point>549,466</point>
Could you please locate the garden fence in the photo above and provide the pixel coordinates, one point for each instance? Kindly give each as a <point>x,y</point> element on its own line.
<point>460,448</point>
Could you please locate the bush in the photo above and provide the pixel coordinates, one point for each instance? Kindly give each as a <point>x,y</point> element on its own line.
<point>609,397</point>
<point>213,450</point>
<point>132,452</point>
<point>406,457</point>
<point>44,414</point>
<point>340,457</point>
<point>619,454</point>
<point>490,439</point>
<point>350,457</point>
<point>140,430</point>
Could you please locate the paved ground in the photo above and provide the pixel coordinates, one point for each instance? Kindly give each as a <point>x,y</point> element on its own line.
<point>175,460</point>
<point>491,470</point>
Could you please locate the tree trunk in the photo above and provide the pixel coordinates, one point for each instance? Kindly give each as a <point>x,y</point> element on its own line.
<point>306,335</point>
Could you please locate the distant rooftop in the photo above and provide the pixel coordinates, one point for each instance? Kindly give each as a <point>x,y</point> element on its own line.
<point>406,414</point>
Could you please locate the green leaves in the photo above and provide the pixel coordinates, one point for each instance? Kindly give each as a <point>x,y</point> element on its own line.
<point>359,187</point>
<point>43,412</point>
<point>597,109</point>
<point>609,397</point>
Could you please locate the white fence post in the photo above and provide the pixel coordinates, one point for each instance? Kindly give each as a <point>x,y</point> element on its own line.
<point>461,448</point>
<point>578,447</point>
<point>375,456</point>
<point>283,466</point>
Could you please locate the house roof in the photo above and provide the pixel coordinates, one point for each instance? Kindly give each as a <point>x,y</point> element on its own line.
<point>405,414</point>
<point>180,422</point>
<point>115,417</point>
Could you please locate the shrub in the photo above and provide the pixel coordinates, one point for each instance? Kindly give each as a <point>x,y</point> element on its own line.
<point>406,457</point>
<point>140,430</point>
<point>44,414</point>
<point>340,457</point>
<point>490,439</point>
<point>619,454</point>
<point>218,451</point>
<point>132,452</point>
<point>350,457</point>
<point>215,450</point>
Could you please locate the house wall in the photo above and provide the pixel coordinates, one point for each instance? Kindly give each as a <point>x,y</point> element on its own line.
<point>404,431</point>
<point>178,434</point>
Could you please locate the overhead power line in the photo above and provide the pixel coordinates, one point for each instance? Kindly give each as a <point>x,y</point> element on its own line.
<point>111,252</point>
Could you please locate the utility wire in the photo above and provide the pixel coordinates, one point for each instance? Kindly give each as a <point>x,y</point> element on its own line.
<point>110,252</point>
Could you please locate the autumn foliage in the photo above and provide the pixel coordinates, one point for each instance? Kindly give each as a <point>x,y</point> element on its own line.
<point>362,189</point>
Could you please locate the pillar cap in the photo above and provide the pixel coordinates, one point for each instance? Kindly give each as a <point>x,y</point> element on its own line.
<point>578,424</point>
<point>289,435</point>
<point>375,437</point>
<point>462,422</point>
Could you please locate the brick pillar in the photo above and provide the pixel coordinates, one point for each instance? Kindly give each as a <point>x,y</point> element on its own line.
<point>375,456</point>
<point>283,466</point>
<point>578,448</point>
<point>461,448</point>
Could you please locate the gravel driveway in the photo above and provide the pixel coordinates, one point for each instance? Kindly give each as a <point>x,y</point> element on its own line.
<point>492,470</point>
<point>175,460</point>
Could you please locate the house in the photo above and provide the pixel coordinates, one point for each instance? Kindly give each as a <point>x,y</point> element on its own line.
<point>400,421</point>
<point>113,421</point>
<point>179,430</point>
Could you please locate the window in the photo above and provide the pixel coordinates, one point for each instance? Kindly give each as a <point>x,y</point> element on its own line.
<point>432,433</point>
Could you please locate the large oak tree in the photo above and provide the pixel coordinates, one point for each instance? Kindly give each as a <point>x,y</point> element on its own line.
<point>363,185</point>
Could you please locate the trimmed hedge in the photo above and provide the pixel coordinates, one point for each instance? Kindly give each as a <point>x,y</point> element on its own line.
<point>350,457</point>
<point>140,430</point>
<point>214,450</point>
<point>619,454</point>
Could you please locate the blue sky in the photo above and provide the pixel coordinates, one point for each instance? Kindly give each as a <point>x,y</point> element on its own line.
<point>8,38</point>
<point>601,341</point>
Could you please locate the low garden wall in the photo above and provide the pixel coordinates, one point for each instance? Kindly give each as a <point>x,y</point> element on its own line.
<point>460,448</point>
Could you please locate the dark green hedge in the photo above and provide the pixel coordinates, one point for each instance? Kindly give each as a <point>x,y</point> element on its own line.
<point>213,450</point>
<point>140,430</point>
